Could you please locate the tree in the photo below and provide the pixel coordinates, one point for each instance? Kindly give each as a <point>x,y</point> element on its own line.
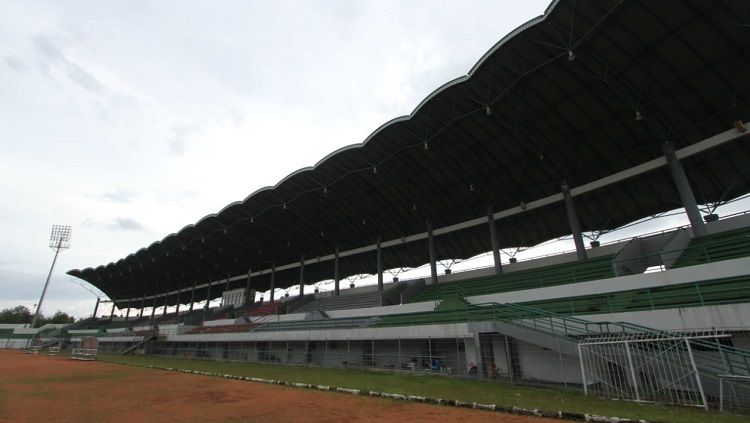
<point>17,314</point>
<point>61,317</point>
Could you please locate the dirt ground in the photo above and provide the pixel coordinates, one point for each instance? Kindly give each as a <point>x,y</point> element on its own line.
<point>36,388</point>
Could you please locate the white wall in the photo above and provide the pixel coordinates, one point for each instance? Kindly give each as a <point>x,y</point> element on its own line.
<point>726,316</point>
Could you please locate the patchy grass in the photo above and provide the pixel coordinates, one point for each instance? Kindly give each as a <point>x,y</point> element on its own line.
<point>441,387</point>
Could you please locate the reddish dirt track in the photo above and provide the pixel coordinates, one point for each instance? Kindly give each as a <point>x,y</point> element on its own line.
<point>56,389</point>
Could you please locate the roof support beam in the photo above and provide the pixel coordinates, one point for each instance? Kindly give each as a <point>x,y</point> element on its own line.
<point>431,250</point>
<point>380,265</point>
<point>336,277</point>
<point>273,280</point>
<point>208,300</point>
<point>96,306</point>
<point>494,241</point>
<point>575,224</point>
<point>192,297</point>
<point>687,198</point>
<point>302,276</point>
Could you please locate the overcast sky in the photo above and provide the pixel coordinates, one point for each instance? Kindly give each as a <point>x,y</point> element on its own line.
<point>129,120</point>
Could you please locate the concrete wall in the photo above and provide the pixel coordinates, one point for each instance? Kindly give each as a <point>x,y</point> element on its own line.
<point>542,364</point>
<point>726,316</point>
<point>382,311</point>
<point>218,322</point>
<point>452,330</point>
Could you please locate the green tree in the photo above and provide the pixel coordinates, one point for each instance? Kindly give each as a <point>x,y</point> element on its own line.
<point>17,314</point>
<point>61,317</point>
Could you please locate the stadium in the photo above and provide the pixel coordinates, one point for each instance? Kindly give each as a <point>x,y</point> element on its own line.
<point>579,130</point>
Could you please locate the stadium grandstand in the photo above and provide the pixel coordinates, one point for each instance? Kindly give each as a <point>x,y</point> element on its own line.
<point>582,121</point>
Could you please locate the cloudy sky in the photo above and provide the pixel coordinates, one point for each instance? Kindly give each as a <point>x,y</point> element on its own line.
<point>128,120</point>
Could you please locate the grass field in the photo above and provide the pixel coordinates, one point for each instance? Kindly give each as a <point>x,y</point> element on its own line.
<point>502,394</point>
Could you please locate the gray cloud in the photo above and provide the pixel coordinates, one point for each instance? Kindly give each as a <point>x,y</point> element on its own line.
<point>118,196</point>
<point>15,63</point>
<point>53,55</point>
<point>175,196</point>
<point>126,224</point>
<point>178,141</point>
<point>117,224</point>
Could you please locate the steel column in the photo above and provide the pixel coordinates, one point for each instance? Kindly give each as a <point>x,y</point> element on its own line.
<point>575,224</point>
<point>247,286</point>
<point>431,250</point>
<point>112,314</point>
<point>127,312</point>
<point>192,297</point>
<point>380,265</point>
<point>495,242</point>
<point>164,312</point>
<point>208,300</point>
<point>96,307</point>
<point>336,278</point>
<point>685,191</point>
<point>302,276</point>
<point>273,280</point>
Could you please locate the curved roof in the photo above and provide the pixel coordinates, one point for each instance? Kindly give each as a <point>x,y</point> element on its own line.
<point>588,89</point>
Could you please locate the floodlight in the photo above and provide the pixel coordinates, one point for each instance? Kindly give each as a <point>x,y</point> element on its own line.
<point>58,240</point>
<point>60,237</point>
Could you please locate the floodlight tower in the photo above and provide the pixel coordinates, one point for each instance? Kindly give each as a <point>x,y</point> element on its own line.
<point>58,240</point>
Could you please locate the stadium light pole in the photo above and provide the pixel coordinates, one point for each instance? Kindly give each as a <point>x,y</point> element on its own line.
<point>58,240</point>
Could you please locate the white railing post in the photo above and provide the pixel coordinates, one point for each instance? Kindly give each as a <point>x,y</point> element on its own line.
<point>697,375</point>
<point>632,371</point>
<point>583,371</point>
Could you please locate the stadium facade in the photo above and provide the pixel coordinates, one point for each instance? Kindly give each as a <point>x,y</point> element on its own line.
<point>590,117</point>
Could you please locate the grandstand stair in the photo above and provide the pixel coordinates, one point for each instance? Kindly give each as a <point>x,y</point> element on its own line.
<point>716,247</point>
<point>558,274</point>
<point>342,302</point>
